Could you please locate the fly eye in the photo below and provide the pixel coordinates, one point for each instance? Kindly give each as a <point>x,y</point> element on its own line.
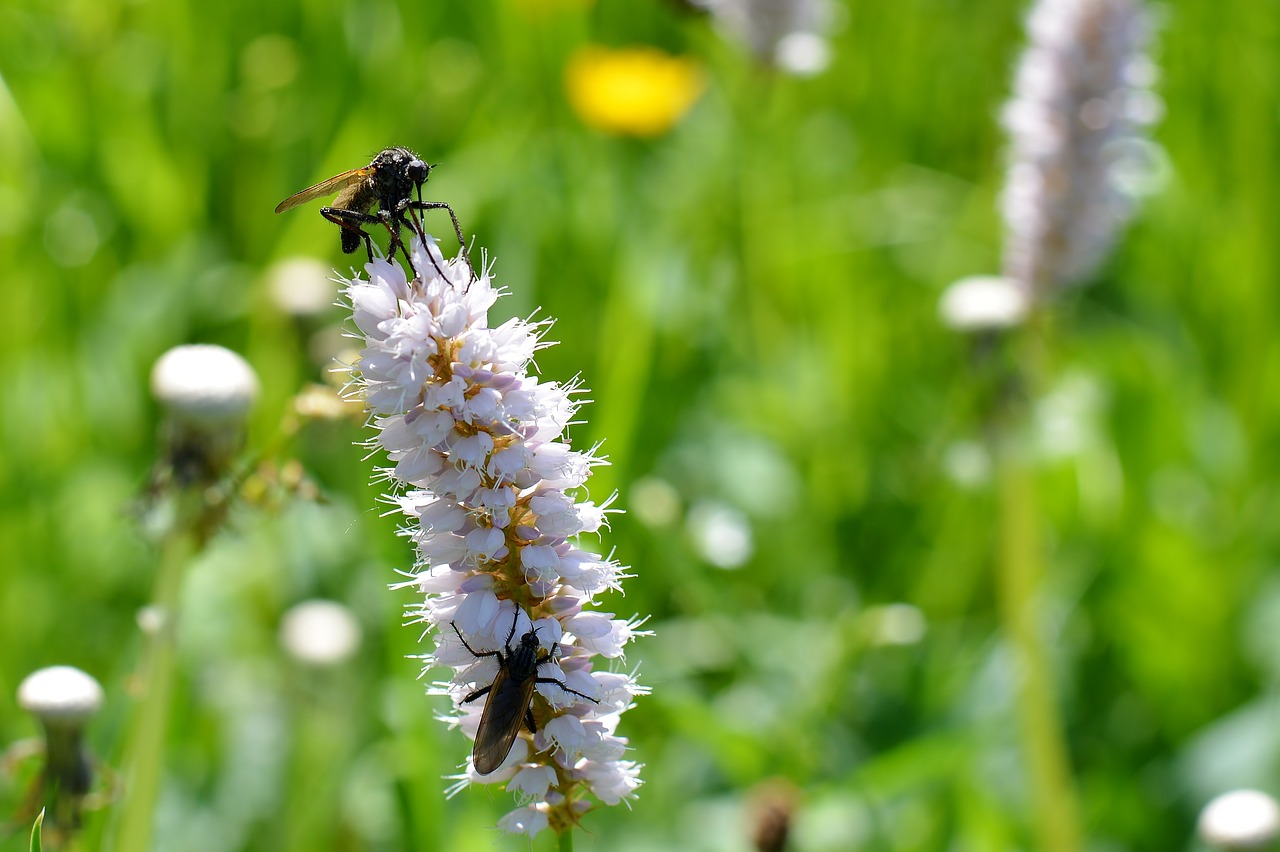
<point>417,171</point>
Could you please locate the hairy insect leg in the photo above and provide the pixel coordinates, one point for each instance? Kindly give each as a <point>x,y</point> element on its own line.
<point>350,222</point>
<point>565,687</point>
<point>392,225</point>
<point>479,693</point>
<point>529,722</point>
<point>416,225</point>
<point>457,226</point>
<point>473,651</point>
<point>515,619</point>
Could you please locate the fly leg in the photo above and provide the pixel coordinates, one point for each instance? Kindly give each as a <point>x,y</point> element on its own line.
<point>394,223</point>
<point>457,227</point>
<point>476,653</point>
<point>551,655</point>
<point>565,687</point>
<point>350,222</point>
<point>479,693</point>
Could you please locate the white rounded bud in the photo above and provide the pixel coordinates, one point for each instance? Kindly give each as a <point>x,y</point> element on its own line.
<point>982,303</point>
<point>1240,819</point>
<point>60,696</point>
<point>204,384</point>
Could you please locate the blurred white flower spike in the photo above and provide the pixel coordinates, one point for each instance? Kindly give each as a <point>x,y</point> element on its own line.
<point>1076,122</point>
<point>492,493</point>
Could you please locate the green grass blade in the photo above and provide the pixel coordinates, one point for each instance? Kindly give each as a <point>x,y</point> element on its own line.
<point>35,832</point>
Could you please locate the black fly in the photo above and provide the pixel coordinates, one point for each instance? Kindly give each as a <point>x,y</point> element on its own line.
<point>389,182</point>
<point>510,695</point>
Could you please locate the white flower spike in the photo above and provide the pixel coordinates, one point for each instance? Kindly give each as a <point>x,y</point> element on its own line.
<point>492,492</point>
<point>1076,125</point>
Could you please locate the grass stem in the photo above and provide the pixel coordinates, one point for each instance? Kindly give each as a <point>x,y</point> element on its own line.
<point>143,758</point>
<point>1019,578</point>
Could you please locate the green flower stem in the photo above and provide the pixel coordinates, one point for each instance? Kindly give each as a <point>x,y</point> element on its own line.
<point>1019,577</point>
<point>564,840</point>
<point>143,758</point>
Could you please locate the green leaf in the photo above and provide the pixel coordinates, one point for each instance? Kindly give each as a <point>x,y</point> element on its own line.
<point>35,832</point>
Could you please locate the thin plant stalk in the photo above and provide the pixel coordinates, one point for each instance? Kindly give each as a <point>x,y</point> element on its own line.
<point>1019,579</point>
<point>143,758</point>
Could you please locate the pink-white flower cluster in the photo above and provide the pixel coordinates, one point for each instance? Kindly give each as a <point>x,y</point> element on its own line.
<point>1081,101</point>
<point>491,490</point>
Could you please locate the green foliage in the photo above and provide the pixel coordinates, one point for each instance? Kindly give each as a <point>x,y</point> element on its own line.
<point>35,832</point>
<point>752,300</point>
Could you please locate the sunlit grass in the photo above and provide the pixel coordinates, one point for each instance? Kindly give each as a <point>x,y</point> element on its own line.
<point>752,298</point>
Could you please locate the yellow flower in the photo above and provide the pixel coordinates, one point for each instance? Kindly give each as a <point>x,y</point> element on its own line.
<point>637,91</point>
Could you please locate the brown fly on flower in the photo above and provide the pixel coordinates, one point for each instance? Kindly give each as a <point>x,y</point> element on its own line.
<point>389,183</point>
<point>510,696</point>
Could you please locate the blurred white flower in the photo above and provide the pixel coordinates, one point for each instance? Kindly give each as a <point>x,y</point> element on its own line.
<point>655,502</point>
<point>896,624</point>
<point>983,302</point>
<point>803,54</point>
<point>721,534</point>
<point>493,493</point>
<point>301,286</point>
<point>790,34</point>
<point>1240,820</point>
<point>967,464</point>
<point>1068,418</point>
<point>320,633</point>
<point>151,619</point>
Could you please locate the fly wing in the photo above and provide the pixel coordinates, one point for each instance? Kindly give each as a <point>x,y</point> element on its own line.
<point>500,722</point>
<point>325,188</point>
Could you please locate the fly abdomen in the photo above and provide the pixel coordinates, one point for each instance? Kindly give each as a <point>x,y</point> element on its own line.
<point>509,696</point>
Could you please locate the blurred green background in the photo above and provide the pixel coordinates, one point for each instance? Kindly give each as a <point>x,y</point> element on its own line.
<point>751,298</point>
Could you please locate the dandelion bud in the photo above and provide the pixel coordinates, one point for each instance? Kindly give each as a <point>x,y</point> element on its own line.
<point>1240,820</point>
<point>1079,105</point>
<point>207,392</point>
<point>63,698</point>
